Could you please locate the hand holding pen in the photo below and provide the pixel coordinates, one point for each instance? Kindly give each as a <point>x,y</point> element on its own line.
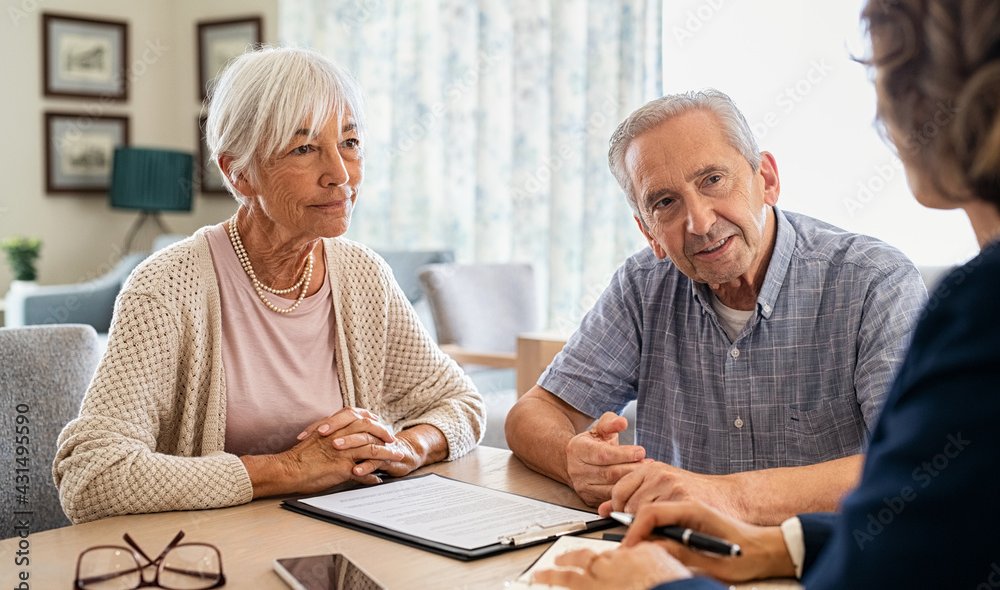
<point>761,549</point>
<point>687,537</point>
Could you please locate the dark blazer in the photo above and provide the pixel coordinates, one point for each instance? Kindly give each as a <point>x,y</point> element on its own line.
<point>927,511</point>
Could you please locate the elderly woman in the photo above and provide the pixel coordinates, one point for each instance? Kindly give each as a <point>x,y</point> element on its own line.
<point>925,513</point>
<point>266,355</point>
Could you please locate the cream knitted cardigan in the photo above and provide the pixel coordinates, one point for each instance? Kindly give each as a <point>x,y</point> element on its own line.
<point>151,430</point>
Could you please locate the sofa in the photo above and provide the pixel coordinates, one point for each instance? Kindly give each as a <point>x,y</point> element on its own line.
<point>89,302</point>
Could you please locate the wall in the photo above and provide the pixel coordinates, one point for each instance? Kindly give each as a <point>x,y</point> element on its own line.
<point>82,236</point>
<point>812,106</point>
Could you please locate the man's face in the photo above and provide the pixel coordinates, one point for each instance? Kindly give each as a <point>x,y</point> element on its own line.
<point>699,200</point>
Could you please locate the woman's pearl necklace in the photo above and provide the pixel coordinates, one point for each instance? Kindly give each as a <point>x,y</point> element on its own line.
<point>303,282</point>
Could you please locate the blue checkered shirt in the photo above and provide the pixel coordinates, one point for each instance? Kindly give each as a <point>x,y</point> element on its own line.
<point>803,382</point>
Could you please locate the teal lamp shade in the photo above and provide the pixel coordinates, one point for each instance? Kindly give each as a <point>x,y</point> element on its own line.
<point>151,179</point>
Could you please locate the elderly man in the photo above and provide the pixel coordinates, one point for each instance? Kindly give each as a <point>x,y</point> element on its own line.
<point>759,343</point>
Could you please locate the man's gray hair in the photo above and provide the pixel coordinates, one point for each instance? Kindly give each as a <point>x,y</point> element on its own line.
<point>264,96</point>
<point>658,111</point>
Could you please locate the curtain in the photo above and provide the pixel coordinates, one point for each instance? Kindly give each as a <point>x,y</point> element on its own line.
<point>489,124</point>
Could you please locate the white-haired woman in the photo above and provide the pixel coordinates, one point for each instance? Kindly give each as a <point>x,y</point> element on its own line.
<point>265,355</point>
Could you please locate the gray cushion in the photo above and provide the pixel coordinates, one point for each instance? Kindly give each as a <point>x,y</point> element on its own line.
<point>405,265</point>
<point>44,373</point>
<point>481,307</point>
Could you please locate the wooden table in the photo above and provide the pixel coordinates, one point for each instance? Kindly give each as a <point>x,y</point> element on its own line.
<point>251,536</point>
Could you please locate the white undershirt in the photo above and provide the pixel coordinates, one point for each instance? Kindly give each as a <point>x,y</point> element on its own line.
<point>732,320</point>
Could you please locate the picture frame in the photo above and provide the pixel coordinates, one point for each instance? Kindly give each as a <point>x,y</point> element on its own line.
<point>209,176</point>
<point>79,150</point>
<point>219,41</point>
<point>84,57</point>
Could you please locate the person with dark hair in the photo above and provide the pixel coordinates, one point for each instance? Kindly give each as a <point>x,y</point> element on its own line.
<point>924,514</point>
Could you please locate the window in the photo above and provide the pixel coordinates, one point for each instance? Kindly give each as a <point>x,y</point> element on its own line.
<point>788,66</point>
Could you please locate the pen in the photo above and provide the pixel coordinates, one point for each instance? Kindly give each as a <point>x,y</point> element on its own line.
<point>688,537</point>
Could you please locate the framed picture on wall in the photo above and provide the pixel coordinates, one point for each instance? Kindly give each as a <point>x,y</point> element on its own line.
<point>209,176</point>
<point>220,41</point>
<point>79,150</point>
<point>84,57</point>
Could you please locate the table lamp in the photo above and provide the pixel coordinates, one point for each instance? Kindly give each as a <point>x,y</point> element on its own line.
<point>151,180</point>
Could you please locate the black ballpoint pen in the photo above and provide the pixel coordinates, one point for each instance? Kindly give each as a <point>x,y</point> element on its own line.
<point>688,537</point>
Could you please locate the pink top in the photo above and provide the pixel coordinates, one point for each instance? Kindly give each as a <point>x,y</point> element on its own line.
<point>280,369</point>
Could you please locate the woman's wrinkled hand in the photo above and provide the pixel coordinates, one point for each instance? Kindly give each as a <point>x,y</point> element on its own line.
<point>351,428</point>
<point>639,567</point>
<point>314,465</point>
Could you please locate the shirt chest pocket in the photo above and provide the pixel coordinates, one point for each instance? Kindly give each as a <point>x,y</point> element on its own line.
<point>822,431</point>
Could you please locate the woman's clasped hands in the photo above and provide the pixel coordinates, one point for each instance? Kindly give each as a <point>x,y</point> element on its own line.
<point>351,444</point>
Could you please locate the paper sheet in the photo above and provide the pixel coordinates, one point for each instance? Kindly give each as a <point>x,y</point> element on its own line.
<point>447,511</point>
<point>547,560</point>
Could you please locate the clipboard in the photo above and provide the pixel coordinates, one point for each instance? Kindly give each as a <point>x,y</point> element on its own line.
<point>510,540</point>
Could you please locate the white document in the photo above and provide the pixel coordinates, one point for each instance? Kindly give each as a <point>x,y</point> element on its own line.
<point>447,511</point>
<point>548,559</point>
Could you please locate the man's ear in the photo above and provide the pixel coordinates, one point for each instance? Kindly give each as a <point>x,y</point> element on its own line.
<point>239,181</point>
<point>657,249</point>
<point>769,173</point>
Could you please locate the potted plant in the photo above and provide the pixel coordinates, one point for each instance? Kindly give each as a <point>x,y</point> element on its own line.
<point>21,254</point>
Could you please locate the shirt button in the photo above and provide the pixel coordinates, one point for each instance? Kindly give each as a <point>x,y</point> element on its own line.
<point>738,423</point>
<point>767,308</point>
<point>735,353</point>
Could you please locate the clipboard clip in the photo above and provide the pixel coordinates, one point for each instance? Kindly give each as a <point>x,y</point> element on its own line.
<point>537,532</point>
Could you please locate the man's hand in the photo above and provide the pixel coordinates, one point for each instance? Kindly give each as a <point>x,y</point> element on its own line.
<point>595,461</point>
<point>655,481</point>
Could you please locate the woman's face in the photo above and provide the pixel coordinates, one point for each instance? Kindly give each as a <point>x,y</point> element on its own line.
<point>310,188</point>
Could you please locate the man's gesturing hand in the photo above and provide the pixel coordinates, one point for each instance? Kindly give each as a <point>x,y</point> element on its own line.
<point>595,461</point>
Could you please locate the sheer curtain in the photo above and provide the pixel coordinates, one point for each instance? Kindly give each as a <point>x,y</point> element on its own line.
<point>489,124</point>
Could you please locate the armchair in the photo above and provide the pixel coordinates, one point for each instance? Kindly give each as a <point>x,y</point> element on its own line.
<point>478,311</point>
<point>405,265</point>
<point>43,376</point>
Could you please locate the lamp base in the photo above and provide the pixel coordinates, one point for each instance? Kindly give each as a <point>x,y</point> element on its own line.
<point>137,225</point>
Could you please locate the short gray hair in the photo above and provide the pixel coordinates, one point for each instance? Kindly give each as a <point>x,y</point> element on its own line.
<point>263,97</point>
<point>658,111</point>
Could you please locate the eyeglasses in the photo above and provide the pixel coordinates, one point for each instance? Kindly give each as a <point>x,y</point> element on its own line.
<point>180,566</point>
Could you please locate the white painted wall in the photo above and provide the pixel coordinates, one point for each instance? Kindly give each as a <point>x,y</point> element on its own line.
<point>787,64</point>
<point>82,236</point>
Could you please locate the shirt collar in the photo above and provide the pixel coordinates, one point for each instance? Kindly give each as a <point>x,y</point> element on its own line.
<point>781,259</point>
<point>777,269</point>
